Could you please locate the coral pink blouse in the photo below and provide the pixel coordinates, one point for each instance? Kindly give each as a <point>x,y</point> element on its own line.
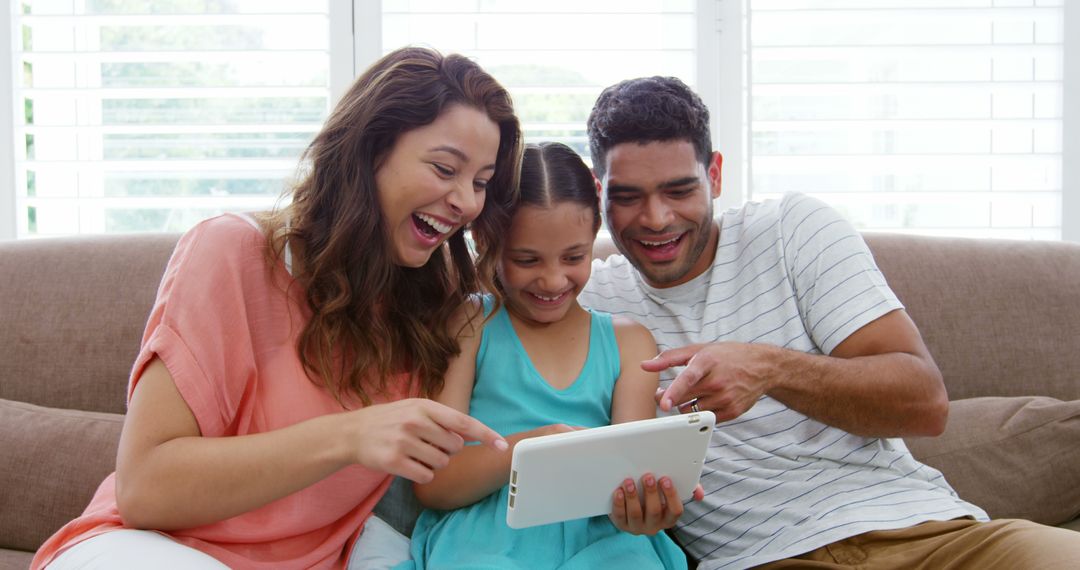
<point>226,326</point>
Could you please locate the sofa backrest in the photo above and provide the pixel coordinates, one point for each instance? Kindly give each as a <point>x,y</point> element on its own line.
<point>72,312</point>
<point>1001,317</point>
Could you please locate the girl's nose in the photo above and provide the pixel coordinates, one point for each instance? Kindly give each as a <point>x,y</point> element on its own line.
<point>553,281</point>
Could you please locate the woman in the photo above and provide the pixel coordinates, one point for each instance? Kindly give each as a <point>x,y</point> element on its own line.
<point>269,405</point>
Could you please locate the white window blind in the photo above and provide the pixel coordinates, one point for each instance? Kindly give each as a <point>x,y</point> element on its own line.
<point>922,116</point>
<point>139,115</point>
<point>554,56</point>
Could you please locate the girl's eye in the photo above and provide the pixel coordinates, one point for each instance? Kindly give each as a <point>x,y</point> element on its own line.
<point>575,258</point>
<point>442,170</point>
<point>524,262</point>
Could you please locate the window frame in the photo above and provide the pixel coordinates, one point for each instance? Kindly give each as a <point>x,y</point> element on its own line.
<point>8,219</point>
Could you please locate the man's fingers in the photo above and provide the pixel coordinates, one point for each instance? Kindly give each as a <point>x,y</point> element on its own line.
<point>469,428</point>
<point>679,390</point>
<point>669,358</point>
<point>699,492</point>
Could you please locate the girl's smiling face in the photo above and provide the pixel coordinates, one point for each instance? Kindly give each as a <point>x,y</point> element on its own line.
<point>433,181</point>
<point>547,259</point>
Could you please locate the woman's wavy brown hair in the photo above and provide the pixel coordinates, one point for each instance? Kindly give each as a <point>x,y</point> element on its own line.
<point>370,318</point>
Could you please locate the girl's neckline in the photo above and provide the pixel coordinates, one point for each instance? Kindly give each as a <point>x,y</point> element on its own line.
<point>532,365</point>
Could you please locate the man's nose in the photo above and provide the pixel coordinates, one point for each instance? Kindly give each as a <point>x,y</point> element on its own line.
<point>655,214</point>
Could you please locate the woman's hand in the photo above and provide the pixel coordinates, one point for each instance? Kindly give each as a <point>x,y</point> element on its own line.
<point>658,508</point>
<point>412,438</point>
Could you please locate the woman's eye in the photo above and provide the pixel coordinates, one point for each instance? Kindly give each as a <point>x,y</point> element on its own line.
<point>480,185</point>
<point>442,170</point>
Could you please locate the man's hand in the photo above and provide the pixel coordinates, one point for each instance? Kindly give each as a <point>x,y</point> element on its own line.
<point>725,377</point>
<point>650,512</point>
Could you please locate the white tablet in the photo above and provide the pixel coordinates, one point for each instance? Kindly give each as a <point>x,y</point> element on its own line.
<point>572,475</point>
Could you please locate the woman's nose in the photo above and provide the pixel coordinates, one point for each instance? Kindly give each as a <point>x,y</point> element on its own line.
<point>465,202</point>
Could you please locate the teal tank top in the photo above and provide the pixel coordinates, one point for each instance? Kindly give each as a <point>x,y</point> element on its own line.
<point>511,396</point>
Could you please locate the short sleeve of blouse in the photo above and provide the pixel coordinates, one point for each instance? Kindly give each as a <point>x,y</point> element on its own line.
<point>199,327</point>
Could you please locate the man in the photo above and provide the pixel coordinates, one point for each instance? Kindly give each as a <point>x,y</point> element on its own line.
<point>783,326</point>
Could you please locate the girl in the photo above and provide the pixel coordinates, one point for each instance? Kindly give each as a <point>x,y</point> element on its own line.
<point>540,363</point>
<point>267,409</point>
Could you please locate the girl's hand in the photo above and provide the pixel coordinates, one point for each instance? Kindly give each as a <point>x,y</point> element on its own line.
<point>413,437</point>
<point>658,508</point>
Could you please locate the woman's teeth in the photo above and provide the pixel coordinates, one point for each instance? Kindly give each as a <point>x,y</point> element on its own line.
<point>435,224</point>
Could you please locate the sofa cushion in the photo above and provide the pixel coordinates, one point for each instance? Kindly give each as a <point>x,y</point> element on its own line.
<point>1014,457</point>
<point>73,313</point>
<point>53,461</point>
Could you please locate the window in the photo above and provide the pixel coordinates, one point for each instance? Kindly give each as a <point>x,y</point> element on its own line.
<point>930,116</point>
<point>938,117</point>
<point>557,56</point>
<point>149,116</point>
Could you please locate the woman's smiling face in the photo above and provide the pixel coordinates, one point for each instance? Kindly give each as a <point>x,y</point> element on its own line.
<point>433,181</point>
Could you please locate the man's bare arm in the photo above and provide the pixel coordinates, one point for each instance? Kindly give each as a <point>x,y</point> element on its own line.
<point>879,382</point>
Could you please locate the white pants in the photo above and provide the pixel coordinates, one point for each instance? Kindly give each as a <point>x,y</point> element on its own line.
<point>379,547</point>
<point>126,548</point>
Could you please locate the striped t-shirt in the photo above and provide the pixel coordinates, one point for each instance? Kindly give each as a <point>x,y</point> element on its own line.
<point>791,273</point>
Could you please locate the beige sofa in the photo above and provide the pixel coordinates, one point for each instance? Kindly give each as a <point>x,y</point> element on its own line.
<point>1001,318</point>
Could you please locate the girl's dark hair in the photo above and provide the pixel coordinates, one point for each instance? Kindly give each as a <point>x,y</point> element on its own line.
<point>370,318</point>
<point>551,173</point>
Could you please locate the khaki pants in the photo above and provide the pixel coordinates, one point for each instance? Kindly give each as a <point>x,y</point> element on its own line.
<point>1006,544</point>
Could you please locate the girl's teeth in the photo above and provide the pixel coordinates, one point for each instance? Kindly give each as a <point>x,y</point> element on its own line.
<point>439,226</point>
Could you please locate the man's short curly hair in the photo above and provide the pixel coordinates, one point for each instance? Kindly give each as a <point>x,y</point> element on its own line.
<point>644,110</point>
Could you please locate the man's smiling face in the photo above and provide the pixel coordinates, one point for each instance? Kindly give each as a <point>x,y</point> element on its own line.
<point>658,200</point>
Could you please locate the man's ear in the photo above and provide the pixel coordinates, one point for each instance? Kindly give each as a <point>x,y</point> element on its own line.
<point>716,162</point>
<point>599,187</point>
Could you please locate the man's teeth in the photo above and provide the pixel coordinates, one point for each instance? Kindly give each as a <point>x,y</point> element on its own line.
<point>659,243</point>
<point>439,226</point>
